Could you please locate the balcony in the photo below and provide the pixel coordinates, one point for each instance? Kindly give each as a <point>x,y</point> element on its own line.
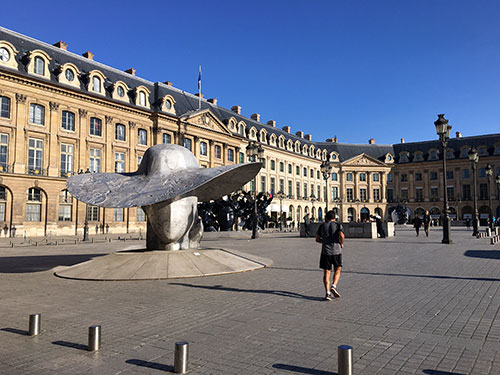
<point>36,171</point>
<point>66,174</point>
<point>5,168</point>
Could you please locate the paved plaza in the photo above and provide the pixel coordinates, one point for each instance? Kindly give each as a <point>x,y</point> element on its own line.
<point>409,306</point>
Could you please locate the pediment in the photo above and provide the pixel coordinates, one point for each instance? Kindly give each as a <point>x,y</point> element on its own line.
<point>363,160</point>
<point>206,119</point>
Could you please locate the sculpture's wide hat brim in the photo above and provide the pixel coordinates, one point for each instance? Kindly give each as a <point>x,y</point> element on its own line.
<point>138,189</point>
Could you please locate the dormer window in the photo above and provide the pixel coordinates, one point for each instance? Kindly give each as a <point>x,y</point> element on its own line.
<point>96,84</point>
<point>168,106</point>
<point>120,91</point>
<point>433,155</point>
<point>39,66</point>
<point>418,156</point>
<point>450,154</point>
<point>7,53</point>
<point>403,158</point>
<point>4,54</point>
<point>483,151</point>
<point>497,149</point>
<point>69,74</point>
<point>142,98</point>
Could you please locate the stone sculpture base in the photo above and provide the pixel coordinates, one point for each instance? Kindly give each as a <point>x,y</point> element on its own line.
<point>156,265</point>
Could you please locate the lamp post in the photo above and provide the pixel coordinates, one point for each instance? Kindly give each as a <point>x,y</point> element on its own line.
<point>313,199</point>
<point>443,130</point>
<point>474,158</point>
<point>255,152</point>
<point>280,195</point>
<point>489,174</point>
<point>326,170</point>
<point>497,180</point>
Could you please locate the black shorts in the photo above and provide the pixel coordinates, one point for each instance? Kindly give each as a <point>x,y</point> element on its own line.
<point>327,261</point>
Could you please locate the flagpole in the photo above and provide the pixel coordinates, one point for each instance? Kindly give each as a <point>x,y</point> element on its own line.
<point>199,89</point>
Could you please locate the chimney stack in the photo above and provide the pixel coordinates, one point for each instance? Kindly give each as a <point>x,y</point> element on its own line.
<point>213,101</point>
<point>61,45</point>
<point>130,71</point>
<point>286,129</point>
<point>334,139</point>
<point>198,95</point>
<point>299,134</point>
<point>308,137</point>
<point>458,134</point>
<point>168,83</point>
<point>371,141</point>
<point>89,55</point>
<point>272,123</point>
<point>255,116</point>
<point>236,109</point>
<point>402,140</point>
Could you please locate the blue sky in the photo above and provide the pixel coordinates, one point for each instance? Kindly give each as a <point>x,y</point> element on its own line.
<point>354,69</point>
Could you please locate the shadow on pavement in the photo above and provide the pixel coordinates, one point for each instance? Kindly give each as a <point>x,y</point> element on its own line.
<point>284,293</point>
<point>437,372</point>
<point>153,365</point>
<point>444,277</point>
<point>302,370</point>
<point>485,254</point>
<point>15,330</point>
<point>70,345</point>
<point>25,264</point>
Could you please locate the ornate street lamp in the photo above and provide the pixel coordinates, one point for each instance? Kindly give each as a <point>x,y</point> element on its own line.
<point>443,130</point>
<point>326,170</point>
<point>489,174</point>
<point>255,152</point>
<point>313,199</point>
<point>474,158</point>
<point>280,195</point>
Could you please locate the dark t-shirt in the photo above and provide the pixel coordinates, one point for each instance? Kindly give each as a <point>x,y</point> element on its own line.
<point>329,234</point>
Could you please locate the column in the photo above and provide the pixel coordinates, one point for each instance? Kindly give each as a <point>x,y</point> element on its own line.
<point>383,187</point>
<point>132,141</point>
<point>109,155</point>
<point>53,147</point>
<point>20,142</point>
<point>370,186</point>
<point>83,161</point>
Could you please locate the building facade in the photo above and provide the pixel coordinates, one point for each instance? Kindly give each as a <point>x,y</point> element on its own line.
<point>62,113</point>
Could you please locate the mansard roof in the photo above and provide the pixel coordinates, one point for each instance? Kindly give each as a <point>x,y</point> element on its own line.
<point>347,151</point>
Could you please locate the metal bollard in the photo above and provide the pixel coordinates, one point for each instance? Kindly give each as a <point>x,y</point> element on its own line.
<point>345,360</point>
<point>181,357</point>
<point>94,338</point>
<point>35,324</point>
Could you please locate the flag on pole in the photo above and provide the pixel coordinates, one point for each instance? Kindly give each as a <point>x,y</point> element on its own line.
<point>199,80</point>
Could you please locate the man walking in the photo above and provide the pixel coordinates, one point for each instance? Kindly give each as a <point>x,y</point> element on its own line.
<point>427,223</point>
<point>331,236</point>
<point>417,223</point>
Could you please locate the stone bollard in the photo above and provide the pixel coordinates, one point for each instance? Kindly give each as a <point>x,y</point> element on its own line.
<point>181,357</point>
<point>345,360</point>
<point>488,232</point>
<point>35,324</point>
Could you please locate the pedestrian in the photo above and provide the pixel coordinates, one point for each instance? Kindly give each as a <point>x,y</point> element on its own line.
<point>467,223</point>
<point>97,229</point>
<point>417,223</point>
<point>331,236</point>
<point>427,223</point>
<point>107,228</point>
<point>13,231</point>
<point>307,224</point>
<point>5,230</point>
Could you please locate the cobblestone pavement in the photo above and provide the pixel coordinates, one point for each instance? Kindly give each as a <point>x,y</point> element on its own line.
<point>409,306</point>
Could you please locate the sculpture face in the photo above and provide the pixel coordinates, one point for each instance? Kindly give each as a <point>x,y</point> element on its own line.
<point>173,226</point>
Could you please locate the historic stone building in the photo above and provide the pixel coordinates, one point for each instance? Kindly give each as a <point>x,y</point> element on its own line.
<point>62,113</point>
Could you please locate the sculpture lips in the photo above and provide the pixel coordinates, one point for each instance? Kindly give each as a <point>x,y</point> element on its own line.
<point>166,173</point>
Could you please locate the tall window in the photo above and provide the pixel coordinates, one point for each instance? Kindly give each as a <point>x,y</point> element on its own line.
<point>273,165</point>
<point>434,193</point>
<point>297,190</point>
<point>203,149</point>
<point>465,173</point>
<point>241,157</point>
<point>34,205</point>
<point>433,175</point>
<point>140,214</point>
<point>119,162</point>
<point>449,175</point>
<point>166,138</point>
<point>37,114</point>
<point>120,132</point>
<point>65,206</point>
<point>348,176</point>
<point>35,156</point>
<point>305,172</point>
<point>230,154</point>
<point>312,173</point>
<point>273,185</point>
<point>282,166</point>
<point>419,194</point>
<point>376,195</point>
<point>290,168</point>
<point>297,170</point>
<point>334,176</point>
<point>95,160</point>
<point>376,177</point>
<point>418,176</point>
<point>362,177</point>
<point>3,203</point>
<point>262,184</point>
<point>390,195</point>
<point>92,213</point>
<point>389,177</point>
<point>143,137</point>
<point>39,67</point>
<point>404,177</point>
<point>335,192</point>
<point>96,84</point>
<point>483,191</point>
<point>305,190</point>
<point>117,214</point>
<point>290,189</point>
<point>4,107</point>
<point>142,98</point>
<point>466,192</point>
<point>188,143</point>
<point>362,194</point>
<point>404,194</point>
<point>95,126</point>
<point>252,185</point>
<point>68,121</point>
<point>451,192</point>
<point>217,152</point>
<point>4,151</point>
<point>350,195</point>
<point>282,185</point>
<point>319,192</point>
<point>66,159</point>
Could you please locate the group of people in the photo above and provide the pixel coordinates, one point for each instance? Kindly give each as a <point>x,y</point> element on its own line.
<point>425,221</point>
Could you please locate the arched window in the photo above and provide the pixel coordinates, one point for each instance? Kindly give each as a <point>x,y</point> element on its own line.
<point>3,202</point>
<point>34,205</point>
<point>96,84</point>
<point>37,114</point>
<point>217,152</point>
<point>68,121</point>
<point>39,66</point>
<point>140,215</point>
<point>142,98</point>
<point>95,126</point>
<point>143,137</point>
<point>120,132</point>
<point>203,149</point>
<point>167,138</point>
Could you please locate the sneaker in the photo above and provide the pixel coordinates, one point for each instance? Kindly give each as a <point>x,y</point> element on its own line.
<point>335,292</point>
<point>328,296</point>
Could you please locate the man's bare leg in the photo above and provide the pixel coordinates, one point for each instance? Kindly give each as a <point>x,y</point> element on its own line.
<point>326,280</point>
